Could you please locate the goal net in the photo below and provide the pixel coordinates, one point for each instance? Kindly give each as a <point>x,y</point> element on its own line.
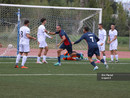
<point>72,20</point>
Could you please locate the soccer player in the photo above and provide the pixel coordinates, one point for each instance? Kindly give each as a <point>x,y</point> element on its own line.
<point>24,47</point>
<point>65,44</point>
<point>91,39</point>
<point>41,35</point>
<point>68,57</point>
<point>101,42</point>
<point>113,43</point>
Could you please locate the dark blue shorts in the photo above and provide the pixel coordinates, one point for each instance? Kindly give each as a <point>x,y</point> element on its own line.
<point>92,51</point>
<point>67,47</point>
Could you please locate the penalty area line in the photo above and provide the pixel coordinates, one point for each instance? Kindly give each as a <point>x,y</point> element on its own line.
<point>47,75</point>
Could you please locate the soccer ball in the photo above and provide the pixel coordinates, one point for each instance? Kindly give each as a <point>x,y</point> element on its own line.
<point>10,46</point>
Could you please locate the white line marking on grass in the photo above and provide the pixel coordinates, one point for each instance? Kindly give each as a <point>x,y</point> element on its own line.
<point>47,75</point>
<point>67,63</point>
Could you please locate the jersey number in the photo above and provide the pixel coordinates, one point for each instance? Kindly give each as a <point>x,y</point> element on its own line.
<point>92,39</point>
<point>21,34</point>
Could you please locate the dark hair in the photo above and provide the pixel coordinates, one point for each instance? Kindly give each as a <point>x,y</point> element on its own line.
<point>100,24</point>
<point>43,19</point>
<point>59,25</point>
<point>113,24</point>
<point>26,22</point>
<point>86,28</point>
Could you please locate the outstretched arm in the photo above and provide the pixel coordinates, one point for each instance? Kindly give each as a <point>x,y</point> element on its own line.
<point>47,35</point>
<point>79,40</point>
<point>52,33</point>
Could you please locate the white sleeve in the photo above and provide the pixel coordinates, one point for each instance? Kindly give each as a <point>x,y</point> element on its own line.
<point>47,35</point>
<point>116,33</point>
<point>28,31</point>
<point>43,29</point>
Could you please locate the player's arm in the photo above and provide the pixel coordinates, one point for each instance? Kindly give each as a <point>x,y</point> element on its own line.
<point>52,33</point>
<point>48,36</point>
<point>78,40</point>
<point>30,37</point>
<point>63,39</point>
<point>97,39</point>
<point>114,39</point>
<point>108,41</point>
<point>104,40</point>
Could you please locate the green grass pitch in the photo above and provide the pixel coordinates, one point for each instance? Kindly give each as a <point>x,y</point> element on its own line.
<point>74,79</point>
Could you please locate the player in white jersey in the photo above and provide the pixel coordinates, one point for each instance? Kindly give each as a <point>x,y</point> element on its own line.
<point>101,43</point>
<point>112,40</point>
<point>41,35</point>
<point>24,44</point>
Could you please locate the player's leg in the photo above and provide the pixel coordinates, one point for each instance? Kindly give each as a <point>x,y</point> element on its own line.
<point>90,54</point>
<point>24,59</point>
<point>45,52</point>
<point>104,55</point>
<point>99,46</point>
<point>102,60</point>
<point>103,52</point>
<point>70,51</point>
<point>112,56</point>
<point>58,56</point>
<point>21,50</point>
<point>18,59</point>
<point>116,55</point>
<point>39,55</point>
<point>111,52</point>
<point>97,53</point>
<point>92,63</point>
<point>115,52</point>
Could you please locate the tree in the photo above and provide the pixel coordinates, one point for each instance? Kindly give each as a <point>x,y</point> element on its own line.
<point>121,20</point>
<point>11,1</point>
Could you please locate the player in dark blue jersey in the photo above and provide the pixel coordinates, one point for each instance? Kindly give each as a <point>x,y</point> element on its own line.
<point>91,39</point>
<point>65,44</point>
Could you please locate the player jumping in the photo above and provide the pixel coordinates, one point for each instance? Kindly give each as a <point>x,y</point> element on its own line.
<point>102,41</point>
<point>65,44</point>
<point>112,40</point>
<point>24,44</point>
<point>91,39</point>
<point>41,35</point>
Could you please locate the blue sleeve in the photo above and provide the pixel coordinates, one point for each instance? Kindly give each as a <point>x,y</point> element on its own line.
<point>97,39</point>
<point>56,32</point>
<point>62,33</point>
<point>82,37</point>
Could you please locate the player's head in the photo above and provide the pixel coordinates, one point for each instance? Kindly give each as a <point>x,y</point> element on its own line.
<point>58,28</point>
<point>100,26</point>
<point>43,20</point>
<point>112,26</point>
<point>26,22</point>
<point>86,29</point>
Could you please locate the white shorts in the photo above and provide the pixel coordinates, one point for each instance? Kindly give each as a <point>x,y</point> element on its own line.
<point>42,44</point>
<point>24,48</point>
<point>101,48</point>
<point>113,46</point>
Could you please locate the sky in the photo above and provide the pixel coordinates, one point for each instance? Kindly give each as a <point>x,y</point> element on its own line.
<point>123,1</point>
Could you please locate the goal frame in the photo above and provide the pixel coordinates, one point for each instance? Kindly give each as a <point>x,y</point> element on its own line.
<point>47,7</point>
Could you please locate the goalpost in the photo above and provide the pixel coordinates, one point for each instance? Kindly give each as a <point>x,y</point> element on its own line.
<point>72,20</point>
